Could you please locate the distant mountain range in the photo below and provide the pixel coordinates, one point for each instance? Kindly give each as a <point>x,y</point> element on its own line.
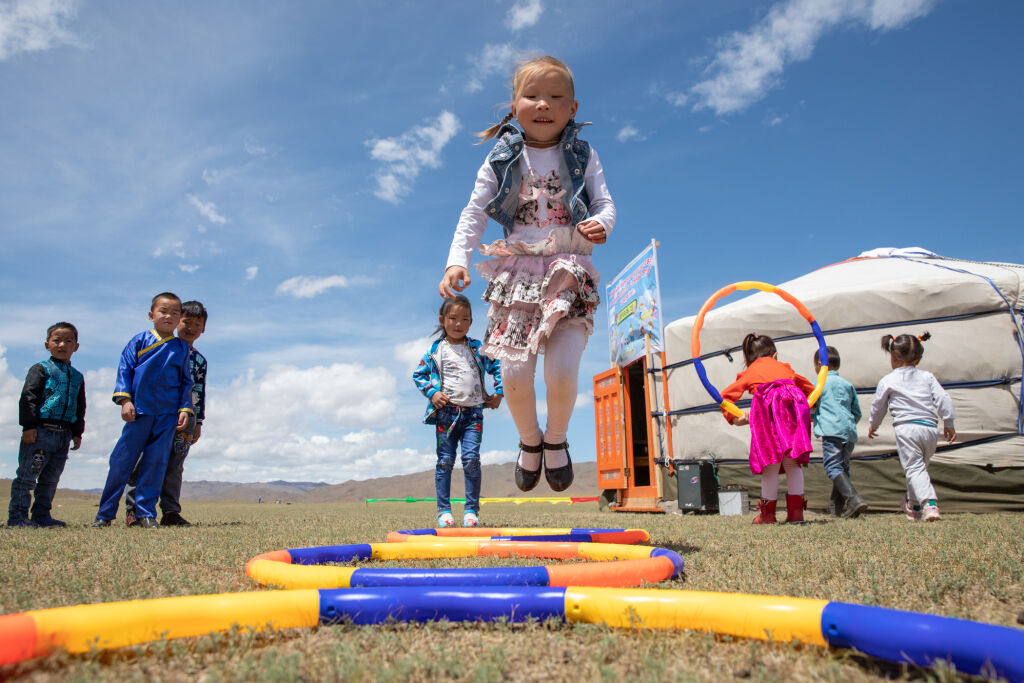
<point>497,482</point>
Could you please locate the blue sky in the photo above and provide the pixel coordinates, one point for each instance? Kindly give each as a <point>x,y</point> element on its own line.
<point>300,167</point>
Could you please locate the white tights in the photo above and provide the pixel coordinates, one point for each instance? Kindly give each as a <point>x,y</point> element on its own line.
<point>770,479</point>
<point>562,354</point>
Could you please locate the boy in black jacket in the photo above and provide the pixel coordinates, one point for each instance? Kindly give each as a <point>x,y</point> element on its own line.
<point>52,417</point>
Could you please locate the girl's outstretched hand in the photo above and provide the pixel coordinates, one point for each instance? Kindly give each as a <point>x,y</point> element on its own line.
<point>740,421</point>
<point>456,279</point>
<point>593,231</point>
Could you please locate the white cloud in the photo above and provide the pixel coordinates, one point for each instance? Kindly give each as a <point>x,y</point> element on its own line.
<point>677,99</point>
<point>409,353</point>
<point>492,60</point>
<point>524,14</point>
<point>32,25</point>
<point>750,63</point>
<point>251,272</point>
<point>629,132</point>
<point>306,287</point>
<point>405,155</point>
<point>254,149</point>
<point>212,176</point>
<point>773,121</point>
<point>188,268</point>
<point>207,209</point>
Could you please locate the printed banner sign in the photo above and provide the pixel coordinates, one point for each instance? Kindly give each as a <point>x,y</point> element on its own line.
<point>634,308</point>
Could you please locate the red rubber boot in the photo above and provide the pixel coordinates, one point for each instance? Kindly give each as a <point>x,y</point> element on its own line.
<point>795,506</point>
<point>765,512</point>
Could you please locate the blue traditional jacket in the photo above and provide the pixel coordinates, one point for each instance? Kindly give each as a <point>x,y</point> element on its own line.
<point>155,374</point>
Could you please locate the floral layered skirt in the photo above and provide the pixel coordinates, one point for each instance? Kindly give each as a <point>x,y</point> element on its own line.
<point>534,285</point>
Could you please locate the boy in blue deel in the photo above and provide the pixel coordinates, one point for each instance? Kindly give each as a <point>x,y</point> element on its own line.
<point>52,417</point>
<point>154,390</point>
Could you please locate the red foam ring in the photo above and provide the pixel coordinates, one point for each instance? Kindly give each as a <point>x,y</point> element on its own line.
<point>614,574</point>
<point>272,556</point>
<point>18,639</point>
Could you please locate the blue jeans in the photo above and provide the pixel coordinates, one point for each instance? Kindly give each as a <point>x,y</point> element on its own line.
<point>835,455</point>
<point>40,465</point>
<point>146,442</point>
<point>458,425</point>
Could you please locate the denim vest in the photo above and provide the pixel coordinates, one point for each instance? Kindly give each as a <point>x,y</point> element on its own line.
<point>60,395</point>
<point>504,161</point>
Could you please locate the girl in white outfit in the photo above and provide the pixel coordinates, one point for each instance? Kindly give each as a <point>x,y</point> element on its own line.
<point>546,187</point>
<point>913,396</point>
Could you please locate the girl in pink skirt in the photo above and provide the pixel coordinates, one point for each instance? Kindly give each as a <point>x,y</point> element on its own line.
<point>780,425</point>
<point>546,188</point>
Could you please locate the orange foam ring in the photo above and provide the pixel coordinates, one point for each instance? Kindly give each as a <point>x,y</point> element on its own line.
<point>624,537</point>
<point>699,322</point>
<point>273,556</point>
<point>556,551</point>
<point>19,639</point>
<point>611,574</point>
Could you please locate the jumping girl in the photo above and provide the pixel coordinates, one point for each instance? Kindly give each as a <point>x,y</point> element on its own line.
<point>546,188</point>
<point>451,375</point>
<point>912,396</point>
<point>780,425</point>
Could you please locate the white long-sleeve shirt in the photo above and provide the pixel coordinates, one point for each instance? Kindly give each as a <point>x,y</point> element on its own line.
<point>473,220</point>
<point>911,394</point>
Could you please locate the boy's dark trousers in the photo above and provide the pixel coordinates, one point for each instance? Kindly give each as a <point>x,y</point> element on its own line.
<point>170,493</point>
<point>40,465</point>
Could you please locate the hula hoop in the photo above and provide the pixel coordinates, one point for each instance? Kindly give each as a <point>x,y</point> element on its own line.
<point>729,406</point>
<point>608,562</point>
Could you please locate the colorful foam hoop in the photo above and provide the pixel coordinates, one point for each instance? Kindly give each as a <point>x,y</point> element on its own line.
<point>609,561</point>
<point>729,406</point>
<point>898,636</point>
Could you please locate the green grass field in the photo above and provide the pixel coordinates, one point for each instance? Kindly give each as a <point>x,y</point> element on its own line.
<point>967,566</point>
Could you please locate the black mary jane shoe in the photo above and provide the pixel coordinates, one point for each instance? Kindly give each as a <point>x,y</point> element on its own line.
<point>526,480</point>
<point>559,478</point>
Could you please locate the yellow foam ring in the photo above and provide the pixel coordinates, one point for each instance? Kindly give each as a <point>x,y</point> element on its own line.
<point>423,550</point>
<point>819,386</point>
<point>118,624</point>
<point>611,551</point>
<point>754,284</point>
<point>749,616</point>
<point>730,407</point>
<point>284,575</point>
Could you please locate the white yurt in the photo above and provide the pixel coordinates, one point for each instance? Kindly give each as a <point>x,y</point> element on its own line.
<point>973,312</point>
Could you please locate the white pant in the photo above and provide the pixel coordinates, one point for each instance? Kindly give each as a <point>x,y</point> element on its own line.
<point>916,446</point>
<point>770,479</point>
<point>562,353</point>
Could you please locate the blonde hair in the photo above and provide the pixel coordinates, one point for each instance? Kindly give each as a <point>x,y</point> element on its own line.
<point>524,70</point>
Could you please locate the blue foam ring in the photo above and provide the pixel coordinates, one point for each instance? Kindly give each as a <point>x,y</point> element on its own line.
<point>466,603</point>
<point>822,351</point>
<point>480,576</point>
<point>924,639</point>
<point>677,559</point>
<point>419,532</point>
<point>594,531</point>
<point>703,375</point>
<point>331,553</point>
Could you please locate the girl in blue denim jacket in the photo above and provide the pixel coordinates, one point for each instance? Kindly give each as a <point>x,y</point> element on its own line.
<point>451,375</point>
<point>546,188</point>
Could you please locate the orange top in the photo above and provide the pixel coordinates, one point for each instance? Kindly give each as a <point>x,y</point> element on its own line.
<point>761,371</point>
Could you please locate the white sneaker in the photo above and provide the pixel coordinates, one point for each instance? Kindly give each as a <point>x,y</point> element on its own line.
<point>445,520</point>
<point>470,519</point>
<point>930,513</point>
<point>912,514</point>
